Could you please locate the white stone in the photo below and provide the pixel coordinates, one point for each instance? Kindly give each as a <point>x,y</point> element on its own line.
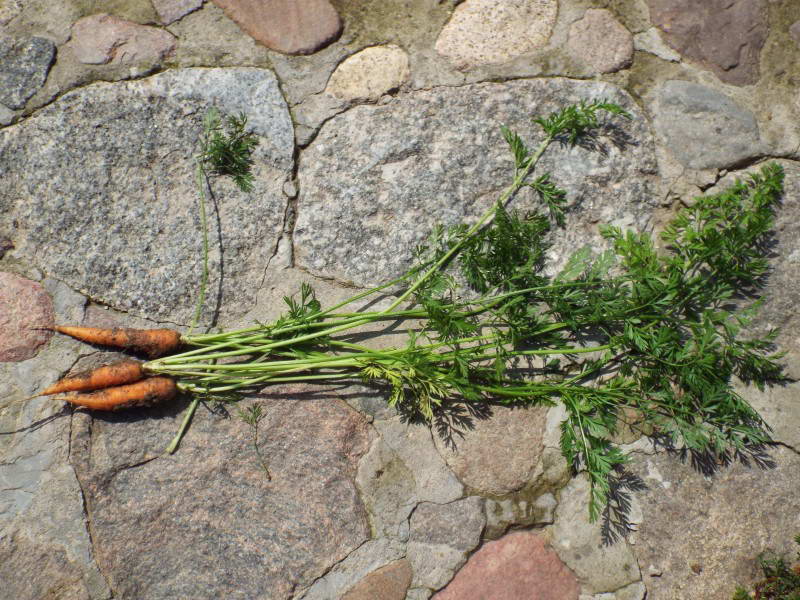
<point>650,41</point>
<point>170,11</point>
<point>369,74</point>
<point>484,32</point>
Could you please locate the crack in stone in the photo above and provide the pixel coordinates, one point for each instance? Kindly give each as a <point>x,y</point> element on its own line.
<point>87,512</point>
<point>326,571</point>
<point>787,446</point>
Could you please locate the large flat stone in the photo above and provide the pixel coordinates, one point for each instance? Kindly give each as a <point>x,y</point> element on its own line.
<point>108,203</point>
<point>409,450</point>
<point>378,178</point>
<point>518,566</point>
<point>716,526</point>
<point>206,522</point>
<point>289,26</point>
<point>24,64</point>
<point>703,128</point>
<point>724,35</point>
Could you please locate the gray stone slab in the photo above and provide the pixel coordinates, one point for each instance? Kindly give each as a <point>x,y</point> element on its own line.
<point>24,64</point>
<point>578,542</point>
<point>703,128</point>
<point>378,178</point>
<point>388,489</point>
<point>414,447</point>
<point>441,537</point>
<point>102,189</point>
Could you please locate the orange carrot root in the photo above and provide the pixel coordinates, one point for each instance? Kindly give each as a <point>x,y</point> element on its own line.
<point>142,393</point>
<point>118,373</point>
<point>152,342</point>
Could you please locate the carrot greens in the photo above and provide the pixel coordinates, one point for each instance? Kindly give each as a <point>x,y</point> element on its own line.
<point>630,330</point>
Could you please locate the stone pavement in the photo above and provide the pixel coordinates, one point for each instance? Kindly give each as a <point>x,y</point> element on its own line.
<point>376,120</point>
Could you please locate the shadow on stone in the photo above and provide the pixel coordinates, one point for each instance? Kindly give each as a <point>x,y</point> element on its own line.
<point>64,412</point>
<point>593,140</point>
<point>169,410</point>
<point>616,520</point>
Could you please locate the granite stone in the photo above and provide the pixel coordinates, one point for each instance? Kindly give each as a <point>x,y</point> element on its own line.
<point>24,65</point>
<point>109,203</point>
<point>484,32</point>
<point>377,179</point>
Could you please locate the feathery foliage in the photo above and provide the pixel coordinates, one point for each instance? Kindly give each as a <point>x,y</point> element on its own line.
<point>632,330</point>
<point>227,147</point>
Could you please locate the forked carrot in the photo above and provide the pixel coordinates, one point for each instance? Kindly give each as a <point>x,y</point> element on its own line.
<point>152,342</point>
<point>142,393</point>
<point>118,373</point>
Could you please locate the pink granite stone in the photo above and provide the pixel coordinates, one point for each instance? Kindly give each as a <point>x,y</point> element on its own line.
<point>25,308</point>
<point>288,26</point>
<point>101,39</point>
<point>518,566</point>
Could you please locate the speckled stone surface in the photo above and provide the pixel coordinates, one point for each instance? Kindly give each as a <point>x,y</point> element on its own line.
<point>374,183</point>
<point>602,41</point>
<point>24,64</point>
<point>122,224</point>
<point>704,128</point>
<point>208,519</point>
<point>485,32</point>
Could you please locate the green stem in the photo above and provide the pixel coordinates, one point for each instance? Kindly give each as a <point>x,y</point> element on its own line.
<point>200,178</point>
<point>187,419</point>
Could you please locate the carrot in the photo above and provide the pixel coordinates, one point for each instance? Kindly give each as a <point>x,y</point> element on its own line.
<point>142,393</point>
<point>118,373</point>
<point>152,342</point>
